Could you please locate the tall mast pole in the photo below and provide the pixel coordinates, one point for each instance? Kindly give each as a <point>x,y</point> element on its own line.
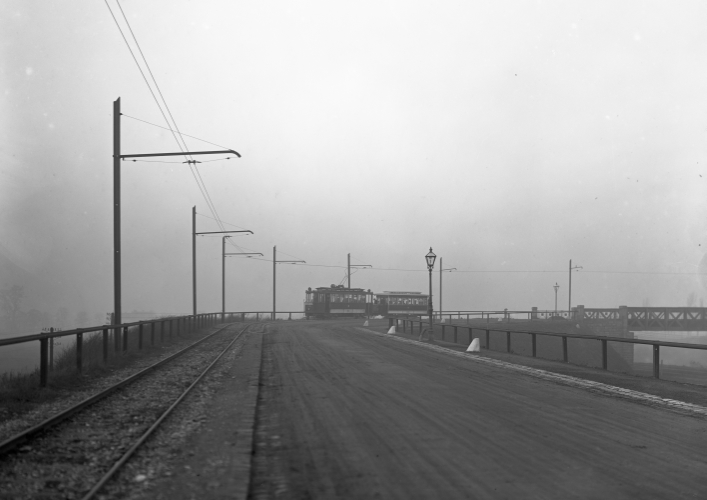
<point>117,304</point>
<point>193,257</point>
<point>348,267</point>
<point>274,285</point>
<point>440,286</point>
<point>223,278</point>
<point>569,307</point>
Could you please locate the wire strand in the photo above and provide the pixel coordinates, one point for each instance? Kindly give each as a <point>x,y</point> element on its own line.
<point>182,133</point>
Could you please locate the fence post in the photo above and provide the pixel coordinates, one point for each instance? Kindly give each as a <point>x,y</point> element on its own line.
<point>79,352</point>
<point>656,361</point>
<point>116,339</point>
<point>404,326</point>
<point>508,341</point>
<point>442,332</point>
<point>162,332</point>
<point>488,340</point>
<point>290,318</point>
<point>105,345</point>
<point>51,351</point>
<point>152,334</point>
<point>604,356</point>
<point>534,345</point>
<point>43,361</point>
<point>257,316</point>
<point>125,338</point>
<point>139,337</point>
<point>564,349</point>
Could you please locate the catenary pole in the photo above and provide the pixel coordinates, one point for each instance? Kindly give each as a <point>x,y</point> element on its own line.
<point>348,268</point>
<point>117,304</point>
<point>274,281</point>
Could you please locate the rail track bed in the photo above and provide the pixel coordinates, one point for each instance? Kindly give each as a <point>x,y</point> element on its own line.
<point>83,454</point>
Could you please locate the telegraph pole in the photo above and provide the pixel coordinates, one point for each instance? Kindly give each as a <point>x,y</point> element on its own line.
<point>223,273</point>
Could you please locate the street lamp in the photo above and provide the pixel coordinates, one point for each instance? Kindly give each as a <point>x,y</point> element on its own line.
<point>570,290</point>
<point>430,258</point>
<point>556,287</point>
<point>441,269</point>
<point>223,273</point>
<point>274,283</point>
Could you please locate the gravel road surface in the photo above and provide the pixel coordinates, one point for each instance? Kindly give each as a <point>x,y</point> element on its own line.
<point>345,413</point>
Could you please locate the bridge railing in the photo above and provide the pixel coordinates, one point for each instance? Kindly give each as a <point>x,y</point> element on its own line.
<point>502,315</point>
<point>408,323</point>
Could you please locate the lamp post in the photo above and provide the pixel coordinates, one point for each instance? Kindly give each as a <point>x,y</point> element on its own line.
<point>556,286</point>
<point>430,258</point>
<point>223,273</point>
<point>274,282</point>
<point>569,309</point>
<point>441,269</point>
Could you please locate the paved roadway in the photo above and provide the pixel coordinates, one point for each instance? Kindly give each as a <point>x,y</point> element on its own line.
<point>349,414</point>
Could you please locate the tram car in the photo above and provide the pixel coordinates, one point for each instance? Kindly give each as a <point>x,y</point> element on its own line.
<point>341,302</point>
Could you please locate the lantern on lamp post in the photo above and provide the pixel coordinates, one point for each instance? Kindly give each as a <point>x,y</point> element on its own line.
<point>430,258</point>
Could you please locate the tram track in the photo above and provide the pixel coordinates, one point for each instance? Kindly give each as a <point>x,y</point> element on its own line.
<point>75,453</point>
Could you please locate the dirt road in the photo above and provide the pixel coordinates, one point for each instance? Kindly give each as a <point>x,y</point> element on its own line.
<point>348,414</point>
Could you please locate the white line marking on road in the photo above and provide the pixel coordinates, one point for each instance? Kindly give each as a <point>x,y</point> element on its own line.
<point>568,380</point>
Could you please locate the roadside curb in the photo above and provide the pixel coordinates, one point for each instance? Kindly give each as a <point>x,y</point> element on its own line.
<point>566,380</point>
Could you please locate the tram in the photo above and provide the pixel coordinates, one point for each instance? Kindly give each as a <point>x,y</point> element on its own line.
<point>341,302</point>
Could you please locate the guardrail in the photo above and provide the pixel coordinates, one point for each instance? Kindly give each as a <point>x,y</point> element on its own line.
<point>503,314</point>
<point>657,344</point>
<point>115,338</point>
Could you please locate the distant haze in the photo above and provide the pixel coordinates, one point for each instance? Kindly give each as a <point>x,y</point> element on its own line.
<point>510,137</point>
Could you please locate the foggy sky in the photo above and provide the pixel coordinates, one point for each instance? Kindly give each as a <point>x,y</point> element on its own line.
<point>508,136</point>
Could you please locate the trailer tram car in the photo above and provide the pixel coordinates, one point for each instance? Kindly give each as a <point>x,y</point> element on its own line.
<point>341,302</point>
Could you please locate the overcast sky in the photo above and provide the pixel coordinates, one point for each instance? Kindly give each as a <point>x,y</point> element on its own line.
<point>510,137</point>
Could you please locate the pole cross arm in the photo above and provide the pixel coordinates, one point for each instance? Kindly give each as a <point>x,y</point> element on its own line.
<point>290,262</point>
<point>221,232</point>
<point>244,253</point>
<point>184,153</point>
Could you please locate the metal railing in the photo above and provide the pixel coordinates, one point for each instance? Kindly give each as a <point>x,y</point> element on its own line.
<point>657,344</point>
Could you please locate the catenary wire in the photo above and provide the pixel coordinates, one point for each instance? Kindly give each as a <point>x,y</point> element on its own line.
<point>166,128</point>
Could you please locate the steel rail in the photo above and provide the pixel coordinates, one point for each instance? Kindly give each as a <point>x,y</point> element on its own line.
<point>12,442</point>
<point>126,456</point>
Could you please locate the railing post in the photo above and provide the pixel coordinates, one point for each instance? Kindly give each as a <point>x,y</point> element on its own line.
<point>116,339</point>
<point>152,334</point>
<point>290,317</point>
<point>442,332</point>
<point>455,334</point>
<point>488,340</point>
<point>656,361</point>
<point>125,338</point>
<point>139,337</point>
<point>257,316</point>
<point>404,326</point>
<point>105,345</point>
<point>467,319</point>
<point>508,341</point>
<point>79,352</point>
<point>564,349</point>
<point>534,345</point>
<point>162,332</point>
<point>242,317</point>
<point>390,322</point>
<point>43,361</point>
<point>51,351</point>
<point>604,355</point>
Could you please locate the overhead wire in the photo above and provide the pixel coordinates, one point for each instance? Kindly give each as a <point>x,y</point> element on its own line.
<point>181,133</point>
<point>192,164</point>
<point>195,171</point>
